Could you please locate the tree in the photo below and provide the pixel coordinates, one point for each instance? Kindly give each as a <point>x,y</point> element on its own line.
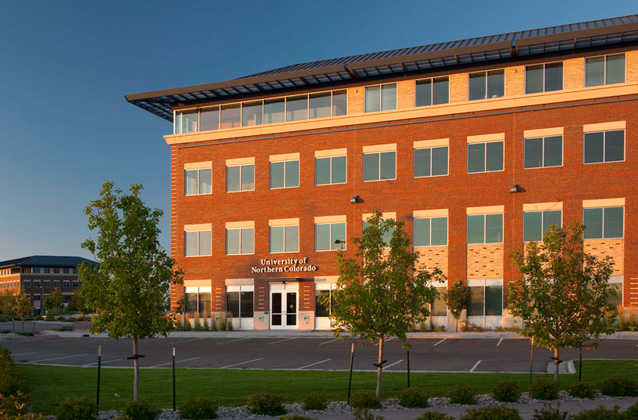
<point>129,288</point>
<point>79,304</point>
<point>380,291</point>
<point>562,295</point>
<point>54,301</point>
<point>458,299</point>
<point>21,307</point>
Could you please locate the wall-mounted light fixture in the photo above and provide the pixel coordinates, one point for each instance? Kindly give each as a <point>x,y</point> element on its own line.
<point>515,188</point>
<point>354,199</point>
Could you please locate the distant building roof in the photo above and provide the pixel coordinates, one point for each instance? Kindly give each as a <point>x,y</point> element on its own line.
<point>45,261</point>
<point>553,39</point>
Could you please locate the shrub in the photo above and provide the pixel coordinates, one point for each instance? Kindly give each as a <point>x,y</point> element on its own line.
<point>462,394</point>
<point>543,389</point>
<point>632,412</point>
<point>365,399</point>
<point>206,327</point>
<point>365,414</point>
<point>142,410</point>
<point>79,408</point>
<point>581,390</point>
<point>492,412</point>
<point>618,386</point>
<point>198,408</point>
<point>12,405</point>
<point>549,413</point>
<point>315,401</point>
<point>506,391</point>
<point>25,333</point>
<point>434,415</point>
<point>213,326</point>
<point>64,328</point>
<point>599,413</point>
<point>11,379</point>
<point>266,404</point>
<point>295,417</point>
<point>413,398</point>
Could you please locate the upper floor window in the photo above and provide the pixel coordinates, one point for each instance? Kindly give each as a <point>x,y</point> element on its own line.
<point>56,271</point>
<point>284,171</point>
<point>386,217</point>
<point>35,270</point>
<point>431,161</point>
<point>240,175</point>
<point>197,242</point>
<point>56,283</point>
<point>330,167</point>
<point>379,162</point>
<point>27,283</point>
<point>76,283</point>
<point>197,181</point>
<point>602,223</point>
<point>47,283</point>
<point>604,146</point>
<point>485,229</point>
<point>330,235</point>
<point>485,156</point>
<point>381,97</point>
<point>240,238</point>
<point>432,91</point>
<point>487,84</point>
<point>75,271</point>
<point>543,152</point>
<point>284,235</point>
<point>46,270</point>
<point>36,283</point>
<point>66,283</point>
<point>605,70</point>
<point>430,231</point>
<point>544,77</point>
<point>537,223</point>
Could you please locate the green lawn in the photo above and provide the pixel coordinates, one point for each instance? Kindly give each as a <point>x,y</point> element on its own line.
<point>51,384</point>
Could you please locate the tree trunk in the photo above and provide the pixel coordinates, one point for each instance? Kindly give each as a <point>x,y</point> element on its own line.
<point>136,372</point>
<point>13,322</point>
<point>380,367</point>
<point>556,361</point>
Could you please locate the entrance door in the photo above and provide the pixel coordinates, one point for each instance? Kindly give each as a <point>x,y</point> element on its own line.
<point>283,306</point>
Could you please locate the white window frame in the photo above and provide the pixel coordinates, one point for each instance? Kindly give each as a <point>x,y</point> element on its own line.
<point>431,79</point>
<point>193,169</point>
<point>241,226</point>
<point>604,71</point>
<point>283,223</point>
<point>331,154</point>
<point>431,144</point>
<point>240,163</point>
<point>485,72</point>
<point>604,132</point>
<point>290,157</point>
<point>562,87</point>
<point>484,139</point>
<point>396,102</point>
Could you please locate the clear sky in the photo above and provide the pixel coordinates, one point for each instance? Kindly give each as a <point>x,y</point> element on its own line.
<point>66,65</point>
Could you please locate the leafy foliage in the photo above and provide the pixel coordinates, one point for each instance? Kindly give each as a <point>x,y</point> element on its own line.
<point>462,394</point>
<point>619,386</point>
<point>266,404</point>
<point>142,410</point>
<point>492,412</point>
<point>315,401</point>
<point>413,398</point>
<point>198,408</point>
<point>599,413</point>
<point>54,301</point>
<point>79,408</point>
<point>434,415</point>
<point>365,399</point>
<point>581,390</point>
<point>295,417</point>
<point>11,380</point>
<point>506,391</point>
<point>543,389</point>
<point>549,413</point>
<point>458,299</point>
<point>365,414</point>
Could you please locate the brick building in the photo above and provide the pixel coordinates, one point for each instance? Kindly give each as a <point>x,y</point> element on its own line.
<point>38,276</point>
<point>478,145</point>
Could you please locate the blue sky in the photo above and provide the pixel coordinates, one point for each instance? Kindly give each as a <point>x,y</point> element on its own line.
<point>66,65</point>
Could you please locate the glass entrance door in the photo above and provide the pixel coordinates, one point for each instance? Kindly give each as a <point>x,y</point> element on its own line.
<point>283,306</point>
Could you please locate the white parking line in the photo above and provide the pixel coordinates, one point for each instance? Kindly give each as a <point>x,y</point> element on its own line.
<point>34,352</point>
<point>499,342</point>
<point>391,338</point>
<point>103,361</point>
<point>439,342</point>
<point>232,341</point>
<point>281,341</point>
<point>58,358</point>
<point>331,341</point>
<point>242,363</point>
<point>475,366</point>
<point>393,364</point>
<point>314,364</point>
<point>177,361</point>
<point>187,341</point>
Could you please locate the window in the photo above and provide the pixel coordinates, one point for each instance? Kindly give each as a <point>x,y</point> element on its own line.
<point>197,243</point>
<point>240,178</point>
<point>486,298</point>
<point>27,283</point>
<point>46,270</point>
<point>231,116</point>
<point>47,283</point>
<point>544,77</point>
<point>35,270</point>
<point>56,283</point>
<point>432,161</point>
<point>65,270</point>
<point>487,84</point>
<point>75,271</point>
<point>430,231</point>
<point>330,170</point>
<point>284,239</point>
<point>239,301</point>
<point>36,283</point>
<point>485,157</point>
<point>432,91</point>
<point>209,118</point>
<point>537,223</point>
<point>615,283</point>
<point>485,229</point>
<point>197,302</point>
<point>56,271</point>
<point>381,98</point>
<point>387,236</point>
<point>197,181</point>
<point>605,70</point>
<point>543,152</point>
<point>605,146</point>
<point>284,174</point>
<point>240,241</point>
<point>606,222</point>
<point>36,298</point>
<point>327,235</point>
<point>439,306</point>
<point>379,166</point>
<point>323,289</point>
<point>76,284</point>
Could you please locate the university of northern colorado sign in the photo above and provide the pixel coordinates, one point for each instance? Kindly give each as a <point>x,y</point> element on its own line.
<point>288,265</point>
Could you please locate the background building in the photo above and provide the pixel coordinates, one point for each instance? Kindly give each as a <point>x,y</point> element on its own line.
<point>478,145</point>
<point>38,276</point>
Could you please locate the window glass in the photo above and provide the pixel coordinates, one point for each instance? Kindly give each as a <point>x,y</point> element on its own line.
<point>494,161</point>
<point>441,91</point>
<point>615,69</point>
<point>190,304</point>
<point>277,170</point>
<point>233,178</point>
<point>553,151</point>
<point>495,83</point>
<point>551,218</point>
<point>553,76</point>
<point>205,181</point>
<point>252,113</point>
<point>373,99</point>
<point>534,78</point>
<point>248,177</point>
<point>387,236</point>
<point>204,304</point>
<point>233,241</point>
<point>593,221</point>
<point>209,118</point>
<point>232,304</point>
<point>371,166</point>
<point>477,86</point>
<point>533,153</point>
<point>189,121</point>
<point>614,146</point>
<point>422,159</point>
<point>423,92</point>
<point>594,147</point>
<point>320,309</point>
<point>476,229</point>
<point>247,241</point>
<point>476,157</point>
<point>388,165</point>
<point>493,228</point>
<point>274,111</point>
<point>292,238</point>
<point>322,237</point>
<point>388,97</point>
<point>284,174</point>
<point>439,306</point>
<point>231,116</point>
<point>613,222</point>
<point>421,236</point>
<point>322,171</point>
<point>292,173</point>
<point>339,103</point>
<point>246,299</point>
<point>191,182</point>
<point>439,231</point>
<point>320,105</point>
<point>276,239</point>
<point>493,300</point>
<point>430,162</point>
<point>190,243</point>
<point>204,242</point>
<point>477,295</point>
<point>439,161</point>
<point>338,169</point>
<point>297,108</point>
<point>338,233</point>
<point>595,71</point>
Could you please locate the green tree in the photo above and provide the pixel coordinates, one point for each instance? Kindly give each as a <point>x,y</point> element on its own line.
<point>380,291</point>
<point>6,302</point>
<point>458,299</point>
<point>79,304</point>
<point>21,307</point>
<point>54,301</point>
<point>130,287</point>
<point>562,295</point>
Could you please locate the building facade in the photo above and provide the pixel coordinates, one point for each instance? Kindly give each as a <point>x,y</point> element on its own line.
<point>476,145</point>
<point>38,276</point>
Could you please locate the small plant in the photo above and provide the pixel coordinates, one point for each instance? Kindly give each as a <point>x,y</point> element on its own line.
<point>64,328</point>
<point>462,394</point>
<point>365,414</point>
<point>506,391</point>
<point>549,413</point>
<point>266,404</point>
<point>581,390</point>
<point>431,320</point>
<point>434,415</point>
<point>206,327</point>
<point>599,413</point>
<point>315,401</point>
<point>492,412</point>
<point>142,410</point>
<point>413,398</point>
<point>295,417</point>
<point>213,326</point>
<point>422,326</point>
<point>632,412</point>
<point>543,389</point>
<point>618,386</point>
<point>622,321</point>
<point>79,408</point>
<point>440,328</point>
<point>222,324</point>
<point>198,408</point>
<point>632,316</point>
<point>365,399</point>
<point>230,325</point>
<point>25,333</point>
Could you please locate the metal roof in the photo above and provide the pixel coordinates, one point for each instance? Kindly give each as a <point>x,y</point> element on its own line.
<point>400,61</point>
<point>45,261</point>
